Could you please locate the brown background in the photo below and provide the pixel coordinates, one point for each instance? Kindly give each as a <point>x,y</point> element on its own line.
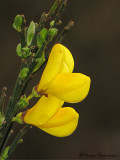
<point>95,45</point>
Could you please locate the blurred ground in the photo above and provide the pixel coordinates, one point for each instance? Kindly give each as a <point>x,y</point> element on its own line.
<point>95,44</point>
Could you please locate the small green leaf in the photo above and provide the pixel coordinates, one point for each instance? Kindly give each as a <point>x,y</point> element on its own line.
<point>52,32</point>
<point>30,33</point>
<point>23,52</point>
<point>41,37</point>
<point>19,50</point>
<point>39,41</point>
<point>17,25</point>
<point>43,33</point>
<point>23,73</point>
<point>52,23</point>
<point>26,52</point>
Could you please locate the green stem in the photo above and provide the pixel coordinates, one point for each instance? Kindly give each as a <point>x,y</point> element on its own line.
<point>65,31</point>
<point>60,11</point>
<point>2,99</point>
<point>9,135</point>
<point>53,8</point>
<point>30,97</point>
<point>17,139</point>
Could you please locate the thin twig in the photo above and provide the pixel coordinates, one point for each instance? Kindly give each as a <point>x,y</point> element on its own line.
<point>9,135</point>
<point>17,139</point>
<point>53,8</point>
<point>62,35</point>
<point>65,31</point>
<point>2,99</point>
<point>60,11</point>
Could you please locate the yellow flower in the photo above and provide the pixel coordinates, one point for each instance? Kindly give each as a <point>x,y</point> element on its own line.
<point>58,79</point>
<point>58,85</point>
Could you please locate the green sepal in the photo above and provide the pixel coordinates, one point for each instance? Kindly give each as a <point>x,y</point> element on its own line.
<point>18,118</point>
<point>17,24</point>
<point>30,33</point>
<point>41,37</point>
<point>4,155</point>
<point>23,102</point>
<point>52,32</point>
<point>35,93</point>
<point>23,73</point>
<point>2,118</point>
<point>39,62</point>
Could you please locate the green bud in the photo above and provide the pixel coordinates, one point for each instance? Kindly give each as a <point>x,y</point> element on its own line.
<point>52,23</point>
<point>41,37</point>
<point>23,73</point>
<point>23,102</point>
<point>52,32</point>
<point>5,153</point>
<point>18,118</point>
<point>39,61</point>
<point>19,50</point>
<point>20,141</point>
<point>30,33</point>
<point>17,25</point>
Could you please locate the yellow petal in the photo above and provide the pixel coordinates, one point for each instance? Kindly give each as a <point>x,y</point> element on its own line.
<point>60,61</point>
<point>52,67</point>
<point>69,87</point>
<point>44,109</point>
<point>63,123</point>
<point>68,61</point>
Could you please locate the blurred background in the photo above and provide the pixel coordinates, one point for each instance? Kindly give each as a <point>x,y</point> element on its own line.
<point>95,44</point>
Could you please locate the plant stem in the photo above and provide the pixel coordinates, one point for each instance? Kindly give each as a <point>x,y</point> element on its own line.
<point>53,8</point>
<point>65,31</point>
<point>17,139</point>
<point>29,97</point>
<point>2,99</point>
<point>60,11</point>
<point>9,135</point>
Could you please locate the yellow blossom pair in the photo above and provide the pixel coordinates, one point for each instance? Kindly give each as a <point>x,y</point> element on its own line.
<point>58,85</point>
